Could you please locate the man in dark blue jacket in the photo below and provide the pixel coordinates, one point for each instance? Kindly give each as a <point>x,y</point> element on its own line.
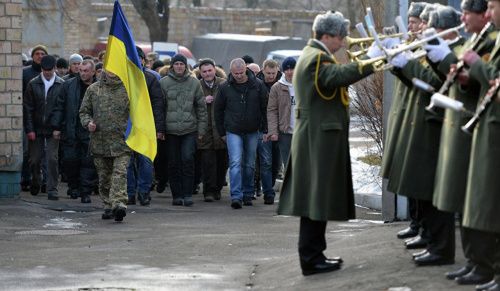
<point>240,112</point>
<point>77,161</point>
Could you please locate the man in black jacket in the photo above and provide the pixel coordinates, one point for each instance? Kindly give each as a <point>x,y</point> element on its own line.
<point>240,112</point>
<point>38,106</point>
<point>29,73</point>
<point>77,161</point>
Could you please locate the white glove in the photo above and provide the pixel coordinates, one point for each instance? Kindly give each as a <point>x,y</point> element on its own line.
<point>374,51</point>
<point>437,52</point>
<point>391,42</point>
<point>400,60</point>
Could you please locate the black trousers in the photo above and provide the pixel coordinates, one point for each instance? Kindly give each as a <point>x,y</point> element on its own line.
<point>214,167</point>
<point>312,241</point>
<point>414,213</point>
<point>441,226</point>
<point>482,250</point>
<point>161,162</point>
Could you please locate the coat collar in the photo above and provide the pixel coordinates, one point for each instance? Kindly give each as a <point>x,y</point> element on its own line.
<point>319,45</point>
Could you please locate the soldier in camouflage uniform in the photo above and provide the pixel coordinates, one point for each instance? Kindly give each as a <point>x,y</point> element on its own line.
<point>105,112</point>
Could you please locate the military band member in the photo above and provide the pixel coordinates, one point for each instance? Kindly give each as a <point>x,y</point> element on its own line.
<point>418,145</point>
<point>316,189</point>
<point>482,199</point>
<point>396,114</point>
<point>453,163</point>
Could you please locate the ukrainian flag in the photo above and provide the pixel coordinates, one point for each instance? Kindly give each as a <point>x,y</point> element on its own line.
<point>123,61</point>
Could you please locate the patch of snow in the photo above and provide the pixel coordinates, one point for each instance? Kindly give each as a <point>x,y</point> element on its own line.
<point>365,177</point>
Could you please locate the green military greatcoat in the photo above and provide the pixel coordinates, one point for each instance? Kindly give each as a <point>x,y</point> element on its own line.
<point>318,179</point>
<point>482,200</point>
<point>454,152</point>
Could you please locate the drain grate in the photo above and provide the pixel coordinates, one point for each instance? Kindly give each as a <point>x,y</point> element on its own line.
<point>51,232</point>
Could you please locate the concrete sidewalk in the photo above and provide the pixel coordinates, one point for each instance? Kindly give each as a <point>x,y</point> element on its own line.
<point>64,245</point>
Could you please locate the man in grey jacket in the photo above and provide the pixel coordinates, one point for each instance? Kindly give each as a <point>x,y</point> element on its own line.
<point>186,121</point>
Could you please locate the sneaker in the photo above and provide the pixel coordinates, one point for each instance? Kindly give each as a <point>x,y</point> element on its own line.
<point>144,198</point>
<point>52,196</point>
<point>269,200</point>
<point>177,202</point>
<point>131,200</point>
<point>85,198</point>
<point>236,204</point>
<point>119,212</point>
<point>108,214</point>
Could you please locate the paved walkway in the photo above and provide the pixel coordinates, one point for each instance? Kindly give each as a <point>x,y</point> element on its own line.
<point>64,245</point>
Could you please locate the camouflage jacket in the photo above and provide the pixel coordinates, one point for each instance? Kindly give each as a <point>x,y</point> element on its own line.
<point>106,104</point>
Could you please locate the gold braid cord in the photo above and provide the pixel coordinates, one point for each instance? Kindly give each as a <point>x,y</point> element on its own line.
<point>344,95</point>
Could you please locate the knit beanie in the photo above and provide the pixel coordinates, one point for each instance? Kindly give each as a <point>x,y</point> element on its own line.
<point>332,23</point>
<point>178,58</point>
<point>477,6</point>
<point>288,63</point>
<point>444,17</point>
<point>75,58</point>
<point>39,48</point>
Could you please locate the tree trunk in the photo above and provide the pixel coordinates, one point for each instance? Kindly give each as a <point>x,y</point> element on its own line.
<point>155,15</point>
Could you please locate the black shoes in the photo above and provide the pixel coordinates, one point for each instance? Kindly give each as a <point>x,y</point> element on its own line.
<point>53,196</point>
<point>43,189</point>
<point>209,197</point>
<point>34,189</point>
<point>269,200</point>
<point>407,233</point>
<point>416,243</point>
<point>236,204</point>
<point>25,187</point>
<point>131,200</point>
<point>188,201</point>
<point>491,285</point>
<point>85,198</point>
<point>161,187</point>
<point>144,198</point>
<point>433,260</point>
<point>247,202</point>
<point>217,195</point>
<point>73,193</point>
<point>321,267</point>
<point>177,202</point>
<point>473,278</point>
<point>119,212</point>
<point>418,254</point>
<point>108,214</point>
<point>458,273</point>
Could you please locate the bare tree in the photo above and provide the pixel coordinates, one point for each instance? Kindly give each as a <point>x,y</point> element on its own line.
<point>155,14</point>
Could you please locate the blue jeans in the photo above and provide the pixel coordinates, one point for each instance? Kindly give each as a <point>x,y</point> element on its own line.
<point>265,152</point>
<point>242,149</point>
<point>181,150</point>
<point>139,174</point>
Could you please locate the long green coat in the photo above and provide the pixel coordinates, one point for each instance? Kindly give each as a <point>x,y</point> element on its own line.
<point>482,200</point>
<point>395,119</point>
<point>454,152</point>
<point>318,179</point>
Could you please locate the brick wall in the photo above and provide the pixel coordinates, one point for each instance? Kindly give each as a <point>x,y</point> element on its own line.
<point>10,96</point>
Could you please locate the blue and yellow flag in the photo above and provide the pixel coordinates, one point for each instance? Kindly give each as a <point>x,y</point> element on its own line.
<point>123,61</point>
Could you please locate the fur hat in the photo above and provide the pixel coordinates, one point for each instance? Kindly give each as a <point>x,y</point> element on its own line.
<point>75,58</point>
<point>416,9</point>
<point>477,6</point>
<point>178,58</point>
<point>48,62</point>
<point>332,23</point>
<point>288,63</point>
<point>444,17</point>
<point>39,48</point>
<point>426,13</point>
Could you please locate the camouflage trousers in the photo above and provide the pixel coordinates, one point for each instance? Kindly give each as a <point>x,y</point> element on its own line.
<point>112,172</point>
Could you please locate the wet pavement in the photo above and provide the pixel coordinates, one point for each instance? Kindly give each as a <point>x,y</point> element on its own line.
<point>64,245</point>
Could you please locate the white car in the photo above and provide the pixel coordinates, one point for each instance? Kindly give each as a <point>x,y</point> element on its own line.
<point>281,55</point>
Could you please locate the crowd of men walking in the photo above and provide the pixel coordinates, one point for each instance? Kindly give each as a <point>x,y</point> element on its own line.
<point>76,115</point>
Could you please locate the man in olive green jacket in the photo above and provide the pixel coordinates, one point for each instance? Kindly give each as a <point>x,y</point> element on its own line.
<point>482,199</point>
<point>316,189</point>
<point>186,121</point>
